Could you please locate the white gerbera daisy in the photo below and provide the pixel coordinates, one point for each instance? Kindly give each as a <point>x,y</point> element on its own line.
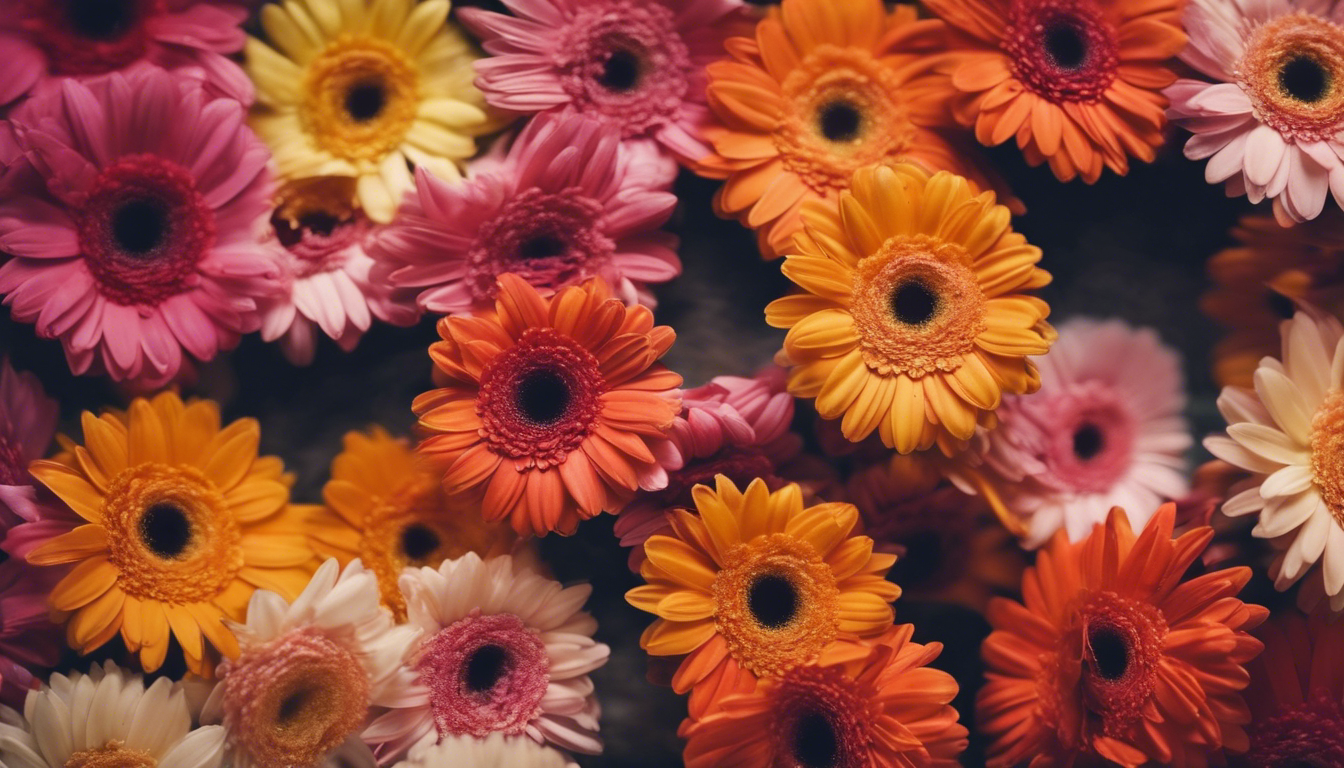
<point>494,751</point>
<point>300,690</point>
<point>504,649</point>
<point>107,719</point>
<point>1289,433</point>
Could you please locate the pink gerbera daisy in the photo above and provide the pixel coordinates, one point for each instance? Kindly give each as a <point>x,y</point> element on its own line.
<point>1104,430</point>
<point>44,40</point>
<point>321,236</point>
<point>638,65</point>
<point>561,207</point>
<point>1271,119</point>
<point>130,210</point>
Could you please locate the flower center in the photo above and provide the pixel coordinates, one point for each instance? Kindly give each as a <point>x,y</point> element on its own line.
<point>1092,447</point>
<point>484,674</point>
<point>820,720</point>
<point>840,121</point>
<point>418,542</point>
<point>1292,70</point>
<point>1062,50</point>
<point>917,306</point>
<point>171,535</point>
<point>111,755</point>
<point>1088,441</point>
<point>410,527</point>
<point>293,700</point>
<point>775,603</point>
<point>1327,453</point>
<point>142,229</point>
<point>85,37</point>
<point>1310,735</point>
<point>318,225</point>
<point>540,398</point>
<point>361,95</point>
<point>621,71</point>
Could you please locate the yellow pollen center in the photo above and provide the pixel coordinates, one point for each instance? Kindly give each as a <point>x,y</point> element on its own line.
<point>360,98</point>
<point>1292,71</point>
<point>111,755</point>
<point>1327,453</point>
<point>776,603</point>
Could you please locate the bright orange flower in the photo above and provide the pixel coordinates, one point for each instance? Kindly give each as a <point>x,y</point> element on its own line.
<point>551,408</point>
<point>1114,656</point>
<point>757,585</point>
<point>1296,693</point>
<point>1078,82</point>
<point>825,88</point>
<point>863,705</point>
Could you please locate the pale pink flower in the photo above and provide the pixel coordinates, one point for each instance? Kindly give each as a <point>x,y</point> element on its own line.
<point>42,41</point>
<point>1270,122</point>
<point>638,65</point>
<point>1104,430</point>
<point>132,210</point>
<point>558,209</point>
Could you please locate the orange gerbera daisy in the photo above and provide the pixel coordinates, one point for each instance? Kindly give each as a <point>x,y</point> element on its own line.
<point>551,408</point>
<point>1257,281</point>
<point>825,88</point>
<point>757,585</point>
<point>179,522</point>
<point>913,323</point>
<point>386,507</point>
<point>1112,656</point>
<point>1078,82</point>
<point>860,705</point>
<point>1296,693</point>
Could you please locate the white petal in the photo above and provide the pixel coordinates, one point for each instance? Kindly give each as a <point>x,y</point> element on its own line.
<point>1285,403</point>
<point>1287,481</point>
<point>1269,443</point>
<point>202,748</point>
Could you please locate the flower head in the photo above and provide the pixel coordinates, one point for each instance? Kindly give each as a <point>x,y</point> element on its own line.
<point>757,585</point>
<point>130,209</point>
<point>913,323</point>
<point>494,751</point>
<point>28,638</point>
<point>171,522</point>
<point>377,84</point>
<point>1078,82</point>
<point>559,208</point>
<point>1296,695</point>
<point>552,408</point>
<point>1270,119</point>
<point>1112,656</point>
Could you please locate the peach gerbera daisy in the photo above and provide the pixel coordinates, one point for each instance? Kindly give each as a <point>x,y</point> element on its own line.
<point>1296,693</point>
<point>552,408</point>
<point>914,322</point>
<point>1110,655</point>
<point>825,88</point>
<point>176,523</point>
<point>386,507</point>
<point>757,585</point>
<point>1078,82</point>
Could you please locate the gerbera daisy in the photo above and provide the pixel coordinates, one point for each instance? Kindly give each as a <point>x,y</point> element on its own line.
<point>1296,694</point>
<point>824,88</point>
<point>28,638</point>
<point>130,209</point>
<point>108,718</point>
<point>502,649</point>
<point>913,322</point>
<point>552,409</point>
<point>1105,430</point>
<point>1078,82</point>
<point>1111,656</point>
<point>1270,120</point>
<point>636,66</point>
<point>876,704</point>
<point>299,691</point>
<point>756,585</point>
<point>494,751</point>
<point>46,40</point>
<point>321,237</point>
<point>362,88</point>
<point>176,522</point>
<point>559,208</point>
<point>384,506</point>
<point>1289,432</point>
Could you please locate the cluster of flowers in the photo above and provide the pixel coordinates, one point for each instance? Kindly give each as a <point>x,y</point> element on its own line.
<point>158,200</point>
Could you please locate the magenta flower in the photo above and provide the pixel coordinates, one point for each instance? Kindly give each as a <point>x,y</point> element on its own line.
<point>131,212</point>
<point>42,41</point>
<point>28,639</point>
<point>638,65</point>
<point>560,207</point>
<point>27,424</point>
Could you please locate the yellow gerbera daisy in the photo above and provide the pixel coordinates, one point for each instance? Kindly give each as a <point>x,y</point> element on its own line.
<point>387,508</point>
<point>912,323</point>
<point>356,88</point>
<point>179,522</point>
<point>757,585</point>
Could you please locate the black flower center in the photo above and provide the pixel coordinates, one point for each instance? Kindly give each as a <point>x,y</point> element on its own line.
<point>292,706</point>
<point>541,247</point>
<point>319,222</point>
<point>100,19</point>
<point>365,101</point>
<point>772,600</point>
<point>621,71</point>
<point>913,303</point>
<point>814,742</point>
<point>1065,45</point>
<point>1110,652</point>
<point>840,121</point>
<point>139,226</point>
<point>165,530</point>
<point>418,542</point>
<point>1088,441</point>
<point>485,667</point>
<point>543,396</point>
<point>1304,79</point>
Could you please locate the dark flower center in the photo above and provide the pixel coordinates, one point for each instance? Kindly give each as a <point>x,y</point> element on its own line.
<point>621,71</point>
<point>365,101</point>
<point>485,667</point>
<point>100,19</point>
<point>1109,652</point>
<point>543,396</point>
<point>1062,50</point>
<point>165,530</point>
<point>772,600</point>
<point>913,303</point>
<point>292,706</point>
<point>1088,441</point>
<point>319,222</point>
<point>815,744</point>
<point>140,226</point>
<point>1304,79</point>
<point>840,121</point>
<point>418,542</point>
<point>1065,45</point>
<point>545,246</point>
